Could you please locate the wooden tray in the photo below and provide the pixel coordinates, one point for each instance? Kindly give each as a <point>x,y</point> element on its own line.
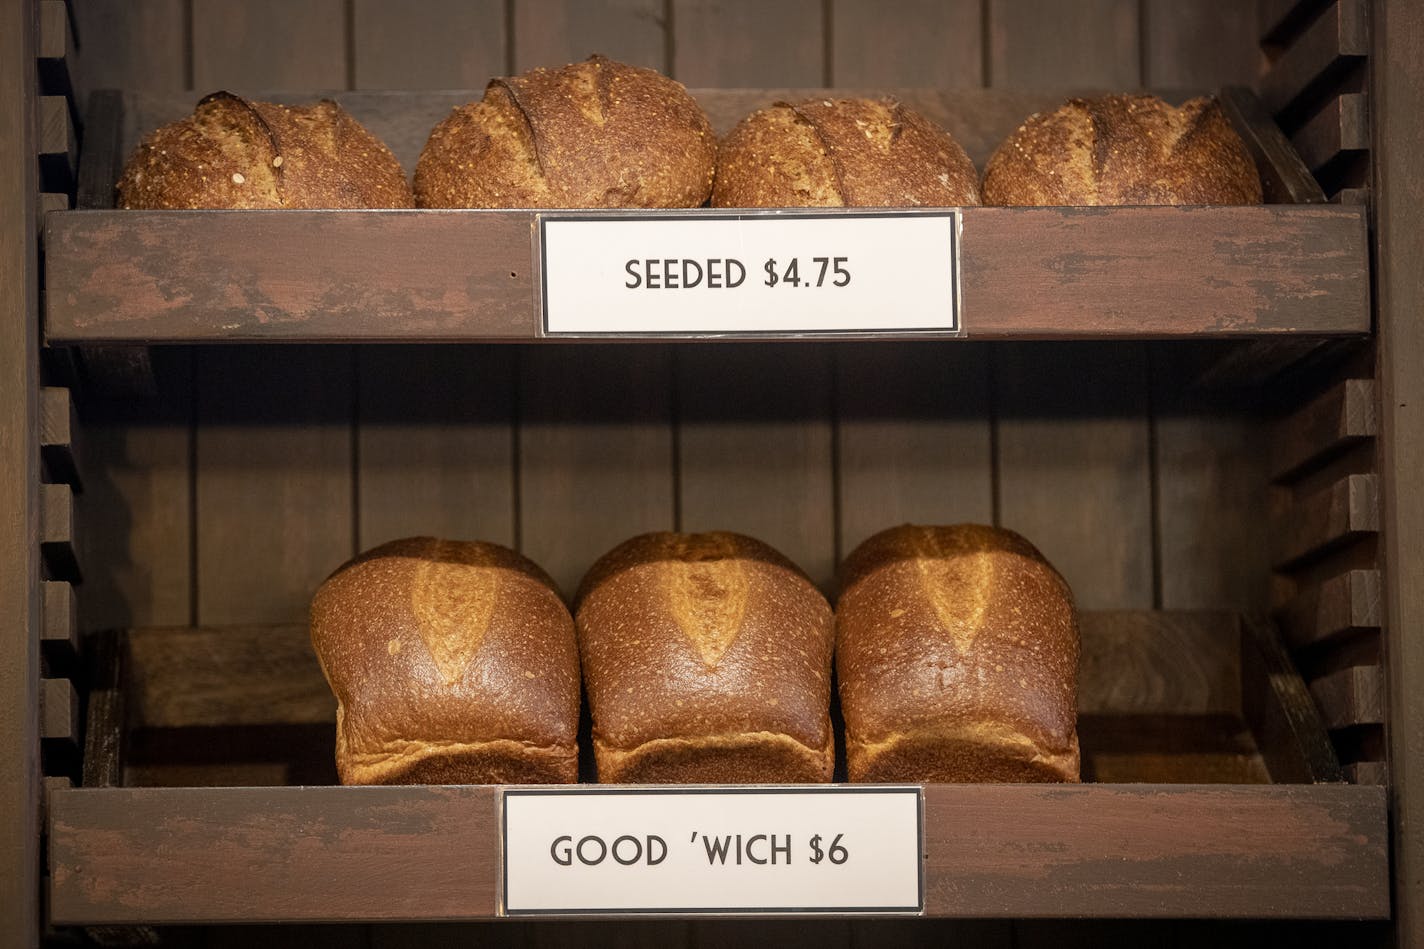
<point>1178,701</point>
<point>1042,273</point>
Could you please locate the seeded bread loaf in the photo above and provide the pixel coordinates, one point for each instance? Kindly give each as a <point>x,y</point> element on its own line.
<point>236,153</point>
<point>707,658</point>
<point>842,153</point>
<point>957,655</point>
<point>1123,150</point>
<point>452,663</point>
<point>595,134</point>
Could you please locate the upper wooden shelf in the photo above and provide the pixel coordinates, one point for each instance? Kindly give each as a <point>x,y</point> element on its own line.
<point>209,276</point>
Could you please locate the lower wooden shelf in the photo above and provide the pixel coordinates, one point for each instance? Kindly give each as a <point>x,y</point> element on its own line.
<point>191,855</point>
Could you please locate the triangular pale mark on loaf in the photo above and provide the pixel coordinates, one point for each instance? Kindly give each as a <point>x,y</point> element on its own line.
<point>956,583</point>
<point>707,591</point>
<point>453,603</point>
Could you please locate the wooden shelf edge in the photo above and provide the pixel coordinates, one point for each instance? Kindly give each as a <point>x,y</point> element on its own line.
<point>188,855</point>
<point>1026,273</point>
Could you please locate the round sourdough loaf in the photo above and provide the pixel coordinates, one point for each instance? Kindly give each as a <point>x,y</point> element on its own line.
<point>707,658</point>
<point>595,134</point>
<point>842,153</point>
<point>236,153</point>
<point>957,655</point>
<point>452,662</point>
<point>1123,150</point>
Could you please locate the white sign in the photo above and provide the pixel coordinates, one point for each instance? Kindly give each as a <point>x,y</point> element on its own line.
<point>713,273</point>
<point>712,850</point>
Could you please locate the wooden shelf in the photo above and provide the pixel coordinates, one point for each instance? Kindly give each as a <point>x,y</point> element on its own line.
<point>1040,273</point>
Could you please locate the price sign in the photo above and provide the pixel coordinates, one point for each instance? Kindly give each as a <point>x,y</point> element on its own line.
<point>739,273</point>
<point>712,850</point>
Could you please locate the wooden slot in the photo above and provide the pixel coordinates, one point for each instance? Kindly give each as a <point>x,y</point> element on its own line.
<point>1368,772</point>
<point>57,531</point>
<point>55,43</point>
<point>1342,126</point>
<point>1350,697</point>
<point>58,427</point>
<point>1358,197</point>
<point>59,710</point>
<point>1329,46</point>
<point>127,855</point>
<point>1317,523</point>
<point>1282,715</point>
<point>59,626</point>
<point>1339,605</point>
<point>1345,415</point>
<point>1284,177</point>
<point>1258,361</point>
<point>58,144</point>
<point>104,736</point>
<point>1278,19</point>
<point>103,150</point>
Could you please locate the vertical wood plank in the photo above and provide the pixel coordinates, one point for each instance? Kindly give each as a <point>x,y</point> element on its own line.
<point>595,452</point>
<point>269,44</point>
<point>755,447</point>
<point>136,506</point>
<point>907,43</point>
<point>435,448</point>
<point>556,32</point>
<point>1202,45</point>
<point>273,489</point>
<point>1085,44</point>
<point>1073,463</point>
<point>426,44</point>
<point>131,44</point>
<point>748,44</point>
<point>913,440</point>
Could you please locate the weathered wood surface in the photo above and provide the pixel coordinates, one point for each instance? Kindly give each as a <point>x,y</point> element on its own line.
<point>1335,607</point>
<point>1343,416</point>
<point>142,276</point>
<point>1325,518</point>
<point>195,855</point>
<point>1333,44</point>
<point>1285,179</point>
<point>1341,126</point>
<point>1350,697</point>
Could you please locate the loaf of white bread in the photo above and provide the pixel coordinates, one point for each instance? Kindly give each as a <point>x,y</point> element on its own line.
<point>707,658</point>
<point>957,659</point>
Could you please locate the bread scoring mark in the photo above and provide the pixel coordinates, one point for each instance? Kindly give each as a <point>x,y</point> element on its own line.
<point>957,584</point>
<point>708,593</point>
<point>453,604</point>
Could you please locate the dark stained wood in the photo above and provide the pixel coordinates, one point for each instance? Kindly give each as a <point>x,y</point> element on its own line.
<point>1328,517</point>
<point>59,627</point>
<point>269,44</point>
<point>221,676</point>
<point>106,716</point>
<point>346,853</point>
<point>931,43</point>
<point>1342,126</point>
<point>128,45</point>
<point>57,538</point>
<point>1331,46</point>
<point>1082,45</point>
<point>1260,361</point>
<point>1201,45</point>
<point>101,161</point>
<point>273,480</point>
<point>555,32</point>
<point>426,44</point>
<point>249,855</point>
<point>754,448</point>
<point>1350,697</point>
<point>435,443</point>
<point>1075,476</point>
<point>741,43</point>
<point>58,145</point>
<point>1284,177</point>
<point>1342,604</point>
<point>1343,416</point>
<point>1155,663</point>
<point>913,441</point>
<point>59,710</point>
<point>793,934</point>
<point>1153,850</point>
<point>1026,273</point>
<point>1282,715</point>
<point>1277,20</point>
<point>595,455</point>
<point>58,431</point>
<point>1368,772</point>
<point>55,44</point>
<point>1397,94</point>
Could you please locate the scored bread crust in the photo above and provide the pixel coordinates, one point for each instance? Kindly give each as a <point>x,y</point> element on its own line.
<point>1124,150</point>
<point>595,134</point>
<point>241,154</point>
<point>707,658</point>
<point>842,153</point>
<point>452,662</point>
<point>957,658</point>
